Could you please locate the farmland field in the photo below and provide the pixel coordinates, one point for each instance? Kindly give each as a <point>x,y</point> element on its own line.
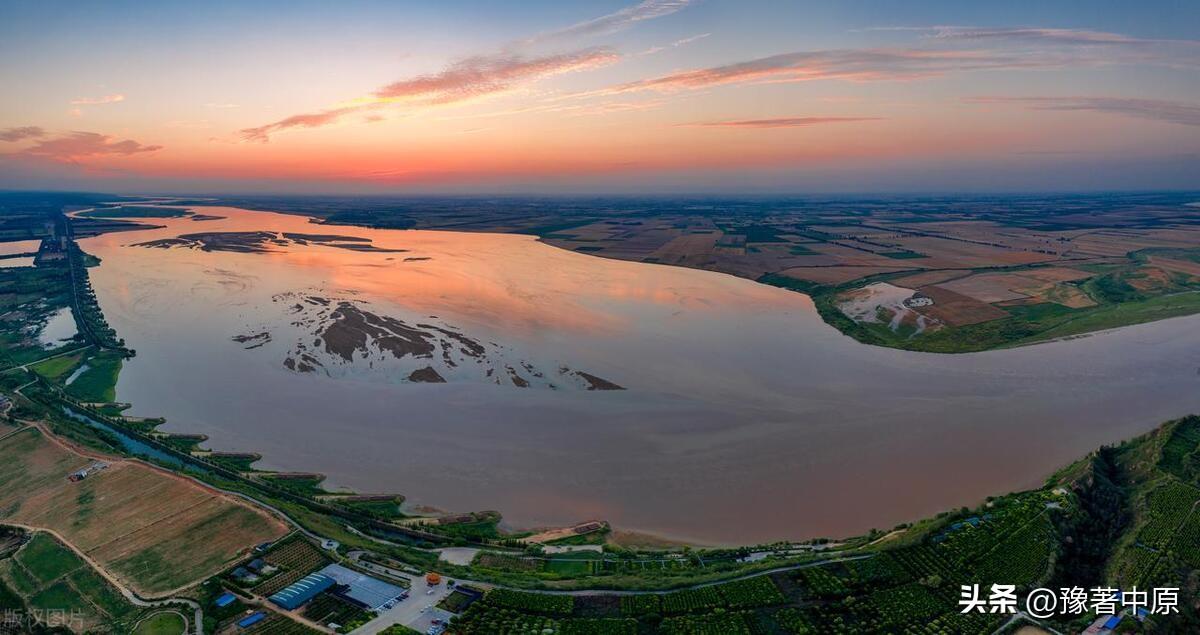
<point>295,558</point>
<point>45,575</point>
<point>155,531</point>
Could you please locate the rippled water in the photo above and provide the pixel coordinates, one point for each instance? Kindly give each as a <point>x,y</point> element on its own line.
<point>745,418</point>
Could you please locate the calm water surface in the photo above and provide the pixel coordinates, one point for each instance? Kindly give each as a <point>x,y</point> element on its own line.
<point>746,417</point>
<point>59,328</point>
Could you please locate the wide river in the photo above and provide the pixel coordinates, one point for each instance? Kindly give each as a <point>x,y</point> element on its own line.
<point>746,418</point>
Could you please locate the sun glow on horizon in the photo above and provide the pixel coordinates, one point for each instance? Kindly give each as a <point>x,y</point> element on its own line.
<point>673,94</point>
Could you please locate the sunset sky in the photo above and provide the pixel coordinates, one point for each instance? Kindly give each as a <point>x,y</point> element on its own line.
<point>662,96</point>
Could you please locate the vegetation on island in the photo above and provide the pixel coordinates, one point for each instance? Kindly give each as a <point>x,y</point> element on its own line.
<point>991,272</point>
<point>1115,303</point>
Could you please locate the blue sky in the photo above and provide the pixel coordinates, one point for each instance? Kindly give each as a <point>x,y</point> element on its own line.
<point>547,97</point>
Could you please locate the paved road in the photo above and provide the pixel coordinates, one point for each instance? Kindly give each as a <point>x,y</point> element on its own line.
<point>792,567</point>
<point>417,611</point>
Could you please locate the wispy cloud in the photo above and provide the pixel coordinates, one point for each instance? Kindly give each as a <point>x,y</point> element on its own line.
<point>676,44</point>
<point>21,132</point>
<point>1042,35</point>
<point>942,51</point>
<point>1152,109</point>
<point>487,75</point>
<point>462,81</point>
<point>613,22</point>
<point>689,40</point>
<point>222,106</point>
<point>483,75</point>
<point>305,120</point>
<point>781,122</point>
<point>844,64</point>
<point>75,146</point>
<point>93,101</point>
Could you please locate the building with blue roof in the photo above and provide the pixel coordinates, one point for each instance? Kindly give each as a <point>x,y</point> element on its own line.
<point>247,622</point>
<point>368,592</point>
<point>225,600</point>
<point>296,594</point>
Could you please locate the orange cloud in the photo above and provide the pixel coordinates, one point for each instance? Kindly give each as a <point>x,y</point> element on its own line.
<point>468,79</point>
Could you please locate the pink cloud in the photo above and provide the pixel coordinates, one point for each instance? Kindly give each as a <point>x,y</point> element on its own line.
<point>975,49</point>
<point>83,145</point>
<point>482,75</point>
<point>465,80</point>
<point>848,64</point>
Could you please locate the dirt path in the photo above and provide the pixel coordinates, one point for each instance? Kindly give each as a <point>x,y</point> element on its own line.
<point>117,459</point>
<point>132,597</point>
<point>14,432</point>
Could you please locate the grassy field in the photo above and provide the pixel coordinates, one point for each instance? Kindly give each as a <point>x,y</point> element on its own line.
<point>155,531</point>
<point>161,624</point>
<point>99,382</point>
<point>1025,324</point>
<point>46,560</point>
<point>46,576</point>
<point>1114,315</point>
<point>58,369</point>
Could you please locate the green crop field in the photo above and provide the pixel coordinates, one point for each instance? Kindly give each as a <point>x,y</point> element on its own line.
<point>46,560</point>
<point>161,624</point>
<point>44,575</point>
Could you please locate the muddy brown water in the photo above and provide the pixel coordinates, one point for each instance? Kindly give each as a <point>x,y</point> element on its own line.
<point>746,418</point>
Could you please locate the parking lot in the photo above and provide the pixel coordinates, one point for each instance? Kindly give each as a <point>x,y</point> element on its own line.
<point>417,611</point>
